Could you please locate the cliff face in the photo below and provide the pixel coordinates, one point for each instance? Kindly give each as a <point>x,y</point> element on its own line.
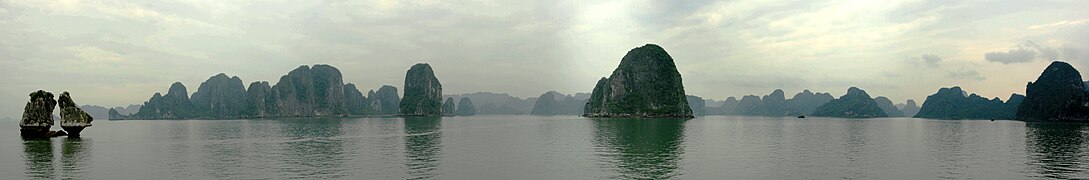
<point>306,91</point>
<point>356,103</point>
<point>174,105</point>
<point>855,104</point>
<point>73,119</point>
<point>220,96</point>
<point>39,110</point>
<point>71,114</point>
<point>955,103</point>
<point>1059,94</point>
<point>646,84</point>
<point>259,100</point>
<point>423,92</point>
<point>386,101</point>
<point>886,105</point>
<point>448,107</point>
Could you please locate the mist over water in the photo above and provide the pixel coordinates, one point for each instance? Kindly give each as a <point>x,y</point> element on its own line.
<point>555,147</point>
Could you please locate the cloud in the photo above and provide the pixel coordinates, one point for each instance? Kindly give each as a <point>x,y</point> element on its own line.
<point>120,52</point>
<point>1029,51</point>
<point>965,74</point>
<point>1059,24</point>
<point>931,59</point>
<point>1019,55</point>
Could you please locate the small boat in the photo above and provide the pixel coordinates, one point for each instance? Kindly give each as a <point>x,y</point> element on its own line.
<point>801,116</point>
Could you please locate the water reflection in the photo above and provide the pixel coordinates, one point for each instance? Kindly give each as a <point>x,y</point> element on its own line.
<point>640,148</point>
<point>1056,149</point>
<point>75,157</point>
<point>39,158</point>
<point>423,146</point>
<point>316,150</point>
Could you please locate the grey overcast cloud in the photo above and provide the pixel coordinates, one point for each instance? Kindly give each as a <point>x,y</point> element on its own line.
<point>115,53</point>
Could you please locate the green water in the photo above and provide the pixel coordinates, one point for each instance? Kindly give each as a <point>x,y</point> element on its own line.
<point>558,147</point>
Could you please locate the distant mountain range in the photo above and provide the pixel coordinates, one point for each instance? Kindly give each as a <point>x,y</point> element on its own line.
<point>1058,95</point>
<point>497,103</point>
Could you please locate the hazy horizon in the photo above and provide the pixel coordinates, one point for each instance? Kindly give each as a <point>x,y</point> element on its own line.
<point>116,53</point>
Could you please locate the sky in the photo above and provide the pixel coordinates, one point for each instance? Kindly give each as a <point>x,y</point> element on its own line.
<point>115,53</point>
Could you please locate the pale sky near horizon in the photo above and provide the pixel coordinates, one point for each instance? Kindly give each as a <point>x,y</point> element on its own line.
<point>115,53</point>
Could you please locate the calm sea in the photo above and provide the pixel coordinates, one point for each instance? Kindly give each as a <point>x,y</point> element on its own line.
<point>555,147</point>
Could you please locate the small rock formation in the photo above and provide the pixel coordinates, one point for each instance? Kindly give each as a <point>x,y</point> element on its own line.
<point>73,119</point>
<point>448,107</point>
<point>955,103</point>
<point>38,115</point>
<point>646,84</point>
<point>886,105</point>
<point>466,107</point>
<point>910,108</point>
<point>855,104</point>
<point>423,92</point>
<point>1059,94</point>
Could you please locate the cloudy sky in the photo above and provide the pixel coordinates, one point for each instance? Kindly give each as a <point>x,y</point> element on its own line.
<point>115,53</point>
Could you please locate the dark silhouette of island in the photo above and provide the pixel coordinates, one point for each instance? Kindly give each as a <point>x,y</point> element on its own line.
<point>646,84</point>
<point>909,108</point>
<point>490,103</point>
<point>773,105</point>
<point>449,107</point>
<point>955,103</point>
<point>855,104</point>
<point>1059,94</point>
<point>886,105</point>
<point>465,107</point>
<point>306,91</point>
<point>555,103</point>
<point>117,112</point>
